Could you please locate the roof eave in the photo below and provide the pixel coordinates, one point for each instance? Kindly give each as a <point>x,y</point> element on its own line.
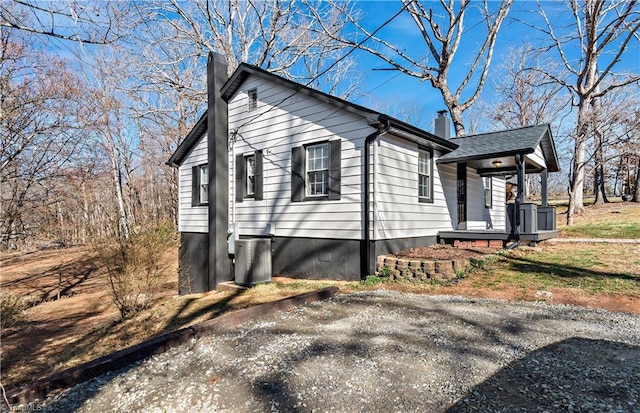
<point>188,143</point>
<point>524,151</point>
<point>245,70</point>
<point>548,145</point>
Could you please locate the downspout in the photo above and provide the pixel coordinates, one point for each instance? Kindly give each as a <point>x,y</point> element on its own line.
<point>367,196</point>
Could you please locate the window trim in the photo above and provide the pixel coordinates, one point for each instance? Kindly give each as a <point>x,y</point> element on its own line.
<point>248,191</point>
<point>429,198</point>
<point>197,185</point>
<point>324,171</point>
<point>252,99</point>
<point>488,190</point>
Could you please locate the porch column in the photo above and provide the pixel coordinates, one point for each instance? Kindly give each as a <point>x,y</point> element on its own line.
<point>544,189</point>
<point>520,195</point>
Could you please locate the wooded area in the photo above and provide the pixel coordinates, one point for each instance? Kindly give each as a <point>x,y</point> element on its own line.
<point>95,96</point>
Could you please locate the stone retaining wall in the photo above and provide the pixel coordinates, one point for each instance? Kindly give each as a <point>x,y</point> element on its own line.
<point>421,269</point>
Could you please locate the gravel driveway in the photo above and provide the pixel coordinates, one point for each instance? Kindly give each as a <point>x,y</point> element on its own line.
<point>390,352</point>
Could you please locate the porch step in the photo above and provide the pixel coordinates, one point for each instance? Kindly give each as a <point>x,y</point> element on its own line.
<point>231,286</point>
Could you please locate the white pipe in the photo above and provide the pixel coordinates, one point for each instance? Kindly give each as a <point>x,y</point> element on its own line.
<point>232,138</point>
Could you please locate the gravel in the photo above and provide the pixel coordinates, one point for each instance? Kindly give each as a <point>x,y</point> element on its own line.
<point>388,352</point>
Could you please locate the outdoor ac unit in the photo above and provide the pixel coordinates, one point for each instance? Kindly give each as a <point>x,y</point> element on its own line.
<point>253,261</point>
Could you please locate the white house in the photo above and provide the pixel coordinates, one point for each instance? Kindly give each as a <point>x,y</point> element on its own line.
<point>333,184</point>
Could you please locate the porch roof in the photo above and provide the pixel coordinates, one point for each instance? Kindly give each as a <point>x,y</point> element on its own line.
<point>479,151</point>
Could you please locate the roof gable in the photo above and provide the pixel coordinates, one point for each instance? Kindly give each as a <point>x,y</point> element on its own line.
<point>374,118</point>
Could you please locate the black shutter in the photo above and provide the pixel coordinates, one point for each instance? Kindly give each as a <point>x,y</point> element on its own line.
<point>195,186</point>
<point>240,179</point>
<point>297,174</point>
<point>258,176</point>
<point>335,169</point>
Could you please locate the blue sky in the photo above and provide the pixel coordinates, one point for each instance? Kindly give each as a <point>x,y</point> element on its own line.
<point>400,89</point>
<point>383,89</point>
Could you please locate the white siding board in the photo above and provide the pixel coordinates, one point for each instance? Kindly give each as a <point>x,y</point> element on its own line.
<point>476,210</point>
<point>498,212</point>
<point>399,213</point>
<point>192,219</point>
<point>297,121</point>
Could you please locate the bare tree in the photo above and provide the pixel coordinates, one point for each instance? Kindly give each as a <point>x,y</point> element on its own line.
<point>293,39</point>
<point>443,31</point>
<point>616,140</point>
<point>526,97</point>
<point>40,129</point>
<point>80,21</point>
<point>601,31</point>
<point>166,66</point>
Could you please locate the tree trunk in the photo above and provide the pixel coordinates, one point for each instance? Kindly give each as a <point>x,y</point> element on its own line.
<point>636,193</point>
<point>123,219</point>
<point>576,177</point>
<point>576,183</point>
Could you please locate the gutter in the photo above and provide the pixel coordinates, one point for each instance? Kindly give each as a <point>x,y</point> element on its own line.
<point>386,125</point>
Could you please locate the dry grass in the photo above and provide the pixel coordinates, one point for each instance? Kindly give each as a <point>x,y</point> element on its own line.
<point>84,323</point>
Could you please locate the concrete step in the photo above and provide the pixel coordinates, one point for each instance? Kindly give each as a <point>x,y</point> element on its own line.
<point>231,286</point>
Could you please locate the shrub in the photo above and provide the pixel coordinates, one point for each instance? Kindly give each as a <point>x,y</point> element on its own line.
<point>386,272</point>
<point>11,310</point>
<point>134,267</point>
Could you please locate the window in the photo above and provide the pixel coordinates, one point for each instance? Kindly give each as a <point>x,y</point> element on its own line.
<point>248,182</point>
<point>200,185</point>
<point>316,171</point>
<point>250,162</point>
<point>425,181</point>
<point>488,191</point>
<point>252,103</point>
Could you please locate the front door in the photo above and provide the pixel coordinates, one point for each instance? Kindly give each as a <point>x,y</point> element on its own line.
<point>462,192</point>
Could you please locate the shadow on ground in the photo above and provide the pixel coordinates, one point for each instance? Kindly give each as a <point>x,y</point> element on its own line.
<point>557,377</point>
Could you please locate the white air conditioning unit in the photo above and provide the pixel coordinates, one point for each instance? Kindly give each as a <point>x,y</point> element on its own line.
<point>253,261</point>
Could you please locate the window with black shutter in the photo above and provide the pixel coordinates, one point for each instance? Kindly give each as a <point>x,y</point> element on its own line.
<point>200,185</point>
<point>249,176</point>
<point>316,171</point>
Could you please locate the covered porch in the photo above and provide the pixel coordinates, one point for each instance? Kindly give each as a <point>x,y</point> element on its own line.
<point>508,155</point>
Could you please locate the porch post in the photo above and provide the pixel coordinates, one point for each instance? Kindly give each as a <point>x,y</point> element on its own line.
<point>544,189</point>
<point>520,195</point>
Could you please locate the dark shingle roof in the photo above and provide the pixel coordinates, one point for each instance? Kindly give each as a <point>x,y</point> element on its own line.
<point>523,140</point>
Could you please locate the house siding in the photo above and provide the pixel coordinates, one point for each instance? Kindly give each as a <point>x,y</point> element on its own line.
<point>448,180</point>
<point>293,122</point>
<point>399,214</point>
<point>192,218</point>
<point>476,210</point>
